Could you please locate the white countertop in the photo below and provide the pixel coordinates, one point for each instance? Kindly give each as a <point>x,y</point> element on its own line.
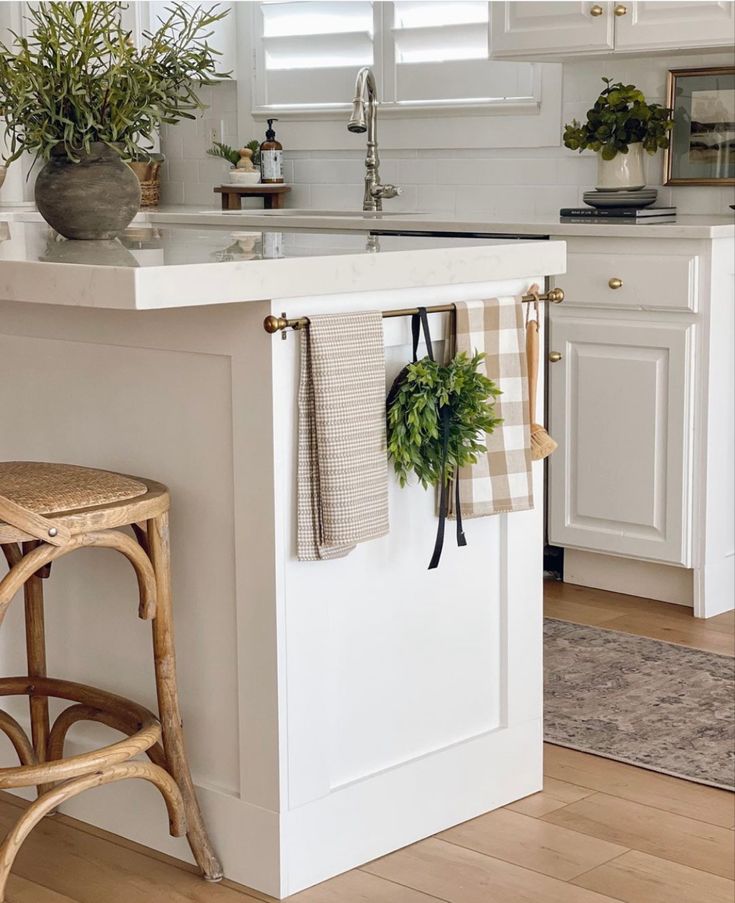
<point>167,266</point>
<point>684,227</point>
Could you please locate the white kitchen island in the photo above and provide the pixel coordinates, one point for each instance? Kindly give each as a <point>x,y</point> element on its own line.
<point>334,710</point>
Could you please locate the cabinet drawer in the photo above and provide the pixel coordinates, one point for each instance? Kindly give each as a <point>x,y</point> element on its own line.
<point>654,282</point>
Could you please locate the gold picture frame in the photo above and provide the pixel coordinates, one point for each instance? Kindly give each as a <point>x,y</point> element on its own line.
<point>710,159</point>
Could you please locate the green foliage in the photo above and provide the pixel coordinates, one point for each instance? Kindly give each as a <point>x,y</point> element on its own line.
<point>218,149</point>
<point>414,417</point>
<point>619,118</point>
<point>226,152</point>
<point>79,79</point>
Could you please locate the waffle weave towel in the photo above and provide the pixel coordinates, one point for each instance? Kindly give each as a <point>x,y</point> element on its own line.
<point>501,480</point>
<point>342,457</point>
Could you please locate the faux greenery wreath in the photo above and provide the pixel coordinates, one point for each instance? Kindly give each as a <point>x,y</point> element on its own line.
<point>415,415</point>
<point>619,118</point>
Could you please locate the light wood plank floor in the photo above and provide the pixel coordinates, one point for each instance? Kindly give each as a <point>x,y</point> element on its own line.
<point>599,832</point>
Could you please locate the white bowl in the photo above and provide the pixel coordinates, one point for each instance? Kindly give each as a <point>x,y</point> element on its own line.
<point>242,177</point>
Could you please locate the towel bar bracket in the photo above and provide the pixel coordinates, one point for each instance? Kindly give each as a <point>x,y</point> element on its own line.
<point>273,324</point>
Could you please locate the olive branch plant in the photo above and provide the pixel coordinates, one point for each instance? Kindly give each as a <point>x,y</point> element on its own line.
<point>79,79</point>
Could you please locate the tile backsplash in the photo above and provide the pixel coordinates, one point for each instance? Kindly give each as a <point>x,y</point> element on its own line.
<point>497,183</point>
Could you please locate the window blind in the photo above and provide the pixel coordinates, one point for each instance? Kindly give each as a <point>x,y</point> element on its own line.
<point>310,51</point>
<point>423,52</point>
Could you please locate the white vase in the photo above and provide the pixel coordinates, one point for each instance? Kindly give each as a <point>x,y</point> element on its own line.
<point>243,177</point>
<point>624,171</point>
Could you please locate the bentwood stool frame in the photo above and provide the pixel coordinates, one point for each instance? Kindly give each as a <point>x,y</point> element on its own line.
<point>31,542</point>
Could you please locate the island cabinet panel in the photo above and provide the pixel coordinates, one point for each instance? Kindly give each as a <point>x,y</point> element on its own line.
<point>336,710</point>
<point>620,402</point>
<point>402,684</point>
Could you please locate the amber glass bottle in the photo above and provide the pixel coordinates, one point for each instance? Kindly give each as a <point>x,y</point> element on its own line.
<point>271,156</point>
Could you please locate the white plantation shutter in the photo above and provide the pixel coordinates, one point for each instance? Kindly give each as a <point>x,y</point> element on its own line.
<point>308,51</point>
<point>439,54</point>
<point>423,52</point>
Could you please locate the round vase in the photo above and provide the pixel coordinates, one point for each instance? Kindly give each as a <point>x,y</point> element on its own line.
<point>624,171</point>
<point>93,199</point>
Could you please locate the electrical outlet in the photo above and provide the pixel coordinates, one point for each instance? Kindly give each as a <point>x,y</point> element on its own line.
<point>213,135</point>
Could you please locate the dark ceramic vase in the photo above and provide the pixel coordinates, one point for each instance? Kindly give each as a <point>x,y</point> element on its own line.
<point>93,199</point>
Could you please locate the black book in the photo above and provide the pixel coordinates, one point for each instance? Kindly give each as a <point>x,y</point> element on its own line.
<point>617,212</point>
<point>626,220</point>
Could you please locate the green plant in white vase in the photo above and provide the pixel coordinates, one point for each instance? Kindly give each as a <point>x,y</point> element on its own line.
<point>619,127</point>
<point>82,98</point>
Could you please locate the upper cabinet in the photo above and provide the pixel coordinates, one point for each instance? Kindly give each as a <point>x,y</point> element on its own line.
<point>548,30</point>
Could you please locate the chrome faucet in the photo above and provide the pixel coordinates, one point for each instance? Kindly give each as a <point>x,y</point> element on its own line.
<point>360,122</point>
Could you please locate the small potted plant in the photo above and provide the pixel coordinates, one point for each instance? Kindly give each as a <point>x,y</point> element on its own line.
<point>245,162</point>
<point>619,127</point>
<point>83,99</point>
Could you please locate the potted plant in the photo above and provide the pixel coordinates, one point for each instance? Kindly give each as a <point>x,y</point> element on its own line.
<point>83,99</point>
<point>619,127</point>
<point>245,162</point>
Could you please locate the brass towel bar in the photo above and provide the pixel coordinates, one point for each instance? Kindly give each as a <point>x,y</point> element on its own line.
<point>273,324</point>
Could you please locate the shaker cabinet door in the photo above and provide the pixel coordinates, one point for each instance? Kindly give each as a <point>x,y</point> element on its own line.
<point>672,25</point>
<point>620,411</point>
<point>531,29</point>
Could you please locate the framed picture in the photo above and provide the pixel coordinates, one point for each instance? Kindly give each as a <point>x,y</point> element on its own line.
<point>702,146</point>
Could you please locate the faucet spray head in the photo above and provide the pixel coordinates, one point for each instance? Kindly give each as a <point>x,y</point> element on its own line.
<point>357,121</point>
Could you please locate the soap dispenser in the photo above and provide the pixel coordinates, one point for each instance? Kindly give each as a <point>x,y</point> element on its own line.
<point>271,154</point>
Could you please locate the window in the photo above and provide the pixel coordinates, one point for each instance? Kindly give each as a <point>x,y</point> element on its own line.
<point>431,54</point>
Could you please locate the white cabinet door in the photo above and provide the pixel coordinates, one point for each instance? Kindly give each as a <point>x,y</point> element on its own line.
<point>529,29</point>
<point>671,25</point>
<point>619,409</point>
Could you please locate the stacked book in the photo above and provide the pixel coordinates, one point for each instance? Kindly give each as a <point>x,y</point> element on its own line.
<point>625,206</point>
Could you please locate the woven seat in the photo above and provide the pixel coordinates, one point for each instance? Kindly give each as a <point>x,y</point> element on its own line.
<point>48,511</point>
<point>52,488</point>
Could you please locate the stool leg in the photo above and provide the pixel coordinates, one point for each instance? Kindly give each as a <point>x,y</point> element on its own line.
<point>36,656</point>
<point>168,699</point>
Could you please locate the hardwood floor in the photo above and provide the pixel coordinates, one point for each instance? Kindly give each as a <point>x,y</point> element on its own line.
<point>599,832</point>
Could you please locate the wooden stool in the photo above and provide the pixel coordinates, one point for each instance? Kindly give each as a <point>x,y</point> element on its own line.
<point>47,511</point>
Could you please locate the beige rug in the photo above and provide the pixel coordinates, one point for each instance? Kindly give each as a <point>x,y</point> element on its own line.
<point>664,707</point>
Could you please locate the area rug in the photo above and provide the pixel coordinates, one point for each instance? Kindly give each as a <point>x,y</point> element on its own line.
<point>656,705</point>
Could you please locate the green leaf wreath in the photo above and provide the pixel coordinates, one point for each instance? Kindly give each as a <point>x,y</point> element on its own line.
<point>414,417</point>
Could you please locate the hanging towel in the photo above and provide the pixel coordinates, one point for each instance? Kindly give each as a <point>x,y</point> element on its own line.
<point>342,457</point>
<point>501,480</point>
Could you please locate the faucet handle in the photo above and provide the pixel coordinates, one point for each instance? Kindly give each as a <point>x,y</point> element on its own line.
<point>385,191</point>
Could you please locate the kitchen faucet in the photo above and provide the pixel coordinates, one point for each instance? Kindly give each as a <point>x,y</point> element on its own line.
<point>359,123</point>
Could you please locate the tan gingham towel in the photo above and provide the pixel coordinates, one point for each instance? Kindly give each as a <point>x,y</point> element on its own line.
<point>342,458</point>
<point>501,479</point>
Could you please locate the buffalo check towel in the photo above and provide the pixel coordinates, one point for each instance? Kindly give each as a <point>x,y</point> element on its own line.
<point>501,480</point>
<point>342,457</point>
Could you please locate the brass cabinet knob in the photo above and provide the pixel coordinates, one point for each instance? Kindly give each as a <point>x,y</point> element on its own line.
<point>596,10</point>
<point>620,10</point>
<point>554,356</point>
<point>615,282</point>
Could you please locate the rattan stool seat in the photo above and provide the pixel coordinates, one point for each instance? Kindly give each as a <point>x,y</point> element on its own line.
<point>48,511</point>
<point>52,488</point>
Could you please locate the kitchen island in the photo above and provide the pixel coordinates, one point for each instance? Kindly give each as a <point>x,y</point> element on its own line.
<point>334,710</point>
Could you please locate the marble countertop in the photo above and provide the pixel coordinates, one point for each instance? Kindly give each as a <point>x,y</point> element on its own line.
<point>153,266</point>
<point>686,226</point>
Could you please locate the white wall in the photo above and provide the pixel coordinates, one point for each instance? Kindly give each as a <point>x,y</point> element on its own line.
<point>500,182</point>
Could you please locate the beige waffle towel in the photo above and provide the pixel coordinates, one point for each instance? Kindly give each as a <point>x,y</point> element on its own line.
<point>501,479</point>
<point>343,465</point>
